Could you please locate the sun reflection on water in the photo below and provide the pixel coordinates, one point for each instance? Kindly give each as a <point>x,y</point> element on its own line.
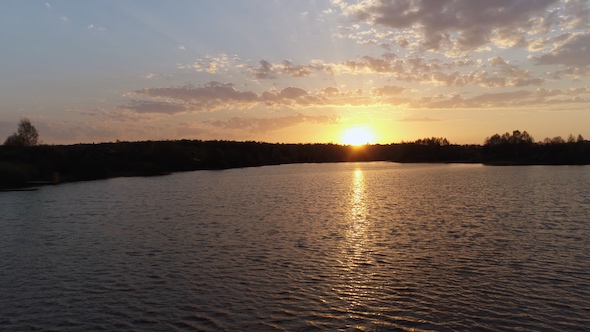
<point>358,207</point>
<point>356,286</point>
<point>356,232</point>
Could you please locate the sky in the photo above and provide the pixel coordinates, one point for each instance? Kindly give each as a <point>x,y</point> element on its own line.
<point>284,71</point>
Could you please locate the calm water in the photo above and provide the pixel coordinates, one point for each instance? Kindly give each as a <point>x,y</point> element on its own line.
<point>367,246</point>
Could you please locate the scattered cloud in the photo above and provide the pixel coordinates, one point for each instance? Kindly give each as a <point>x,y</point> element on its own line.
<point>215,96</point>
<point>118,114</point>
<point>571,50</point>
<point>153,76</point>
<point>212,64</point>
<point>267,70</point>
<point>514,99</point>
<point>457,73</point>
<point>264,71</point>
<point>95,28</point>
<point>455,25</point>
<point>388,90</point>
<point>496,72</point>
<point>210,97</point>
<point>155,107</point>
<point>262,125</point>
<point>423,119</point>
<point>576,15</point>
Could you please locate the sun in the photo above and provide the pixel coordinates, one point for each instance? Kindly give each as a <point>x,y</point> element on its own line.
<point>357,136</point>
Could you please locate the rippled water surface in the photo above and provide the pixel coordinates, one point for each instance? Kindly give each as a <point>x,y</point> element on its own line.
<point>367,246</point>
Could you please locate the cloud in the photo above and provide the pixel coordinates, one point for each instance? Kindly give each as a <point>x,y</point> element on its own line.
<point>388,63</point>
<point>117,114</point>
<point>95,28</point>
<point>562,95</point>
<point>292,93</point>
<point>264,71</point>
<point>214,96</point>
<point>211,96</point>
<point>424,119</point>
<point>573,50</point>
<point>576,15</point>
<point>155,107</point>
<point>211,64</point>
<point>453,73</point>
<point>432,70</point>
<point>151,76</point>
<point>217,64</point>
<point>462,25</point>
<point>486,100</point>
<point>268,70</point>
<point>388,90</point>
<point>261,125</point>
<point>329,91</point>
<point>459,72</point>
<point>539,98</point>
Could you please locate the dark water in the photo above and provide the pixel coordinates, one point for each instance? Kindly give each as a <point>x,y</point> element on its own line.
<point>373,246</point>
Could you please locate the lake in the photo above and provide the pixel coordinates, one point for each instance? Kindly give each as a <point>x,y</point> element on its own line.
<point>347,246</point>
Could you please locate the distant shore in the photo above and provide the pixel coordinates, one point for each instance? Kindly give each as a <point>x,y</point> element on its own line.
<point>47,164</point>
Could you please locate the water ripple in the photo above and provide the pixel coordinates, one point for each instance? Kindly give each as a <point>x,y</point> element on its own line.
<point>355,247</point>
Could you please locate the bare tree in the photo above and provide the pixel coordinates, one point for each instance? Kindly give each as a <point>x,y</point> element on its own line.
<point>26,135</point>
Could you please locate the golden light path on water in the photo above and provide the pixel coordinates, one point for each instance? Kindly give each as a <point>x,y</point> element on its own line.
<point>358,206</point>
<point>356,286</point>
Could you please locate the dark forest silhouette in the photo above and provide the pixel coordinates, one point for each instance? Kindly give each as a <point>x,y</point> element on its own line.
<point>19,165</point>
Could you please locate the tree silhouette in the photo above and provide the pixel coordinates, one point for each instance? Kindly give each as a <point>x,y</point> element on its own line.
<point>516,138</point>
<point>26,135</point>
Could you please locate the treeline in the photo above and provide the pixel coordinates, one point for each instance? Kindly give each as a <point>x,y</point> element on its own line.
<point>20,165</point>
<point>519,148</point>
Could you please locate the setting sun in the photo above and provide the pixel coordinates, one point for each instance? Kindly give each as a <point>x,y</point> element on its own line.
<point>357,136</point>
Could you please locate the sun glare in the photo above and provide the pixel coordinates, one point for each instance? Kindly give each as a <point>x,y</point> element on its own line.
<point>357,136</point>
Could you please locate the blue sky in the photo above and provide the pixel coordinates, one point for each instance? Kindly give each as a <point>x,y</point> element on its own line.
<point>294,71</point>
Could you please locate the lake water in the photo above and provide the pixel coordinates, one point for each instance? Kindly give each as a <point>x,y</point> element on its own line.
<point>348,246</point>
